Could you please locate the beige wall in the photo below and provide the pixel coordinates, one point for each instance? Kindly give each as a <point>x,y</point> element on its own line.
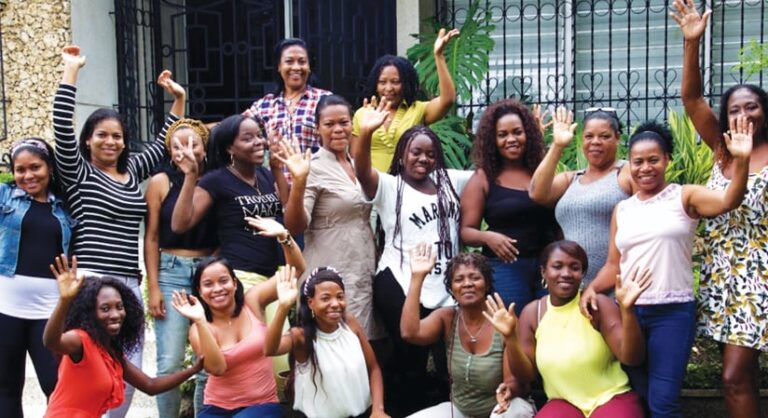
<point>33,33</point>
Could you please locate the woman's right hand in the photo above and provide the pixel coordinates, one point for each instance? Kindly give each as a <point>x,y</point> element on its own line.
<point>374,114</point>
<point>588,302</point>
<point>68,279</point>
<point>504,320</point>
<point>422,259</point>
<point>501,245</point>
<point>156,302</point>
<point>70,54</point>
<point>165,80</point>
<point>692,24</point>
<point>563,127</point>
<point>188,306</point>
<point>185,159</point>
<point>291,157</point>
<point>287,290</point>
<point>627,291</point>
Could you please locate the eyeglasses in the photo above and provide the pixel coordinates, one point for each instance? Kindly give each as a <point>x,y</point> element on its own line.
<point>609,110</point>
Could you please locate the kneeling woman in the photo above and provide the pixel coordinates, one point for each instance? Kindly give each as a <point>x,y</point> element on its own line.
<point>229,330</point>
<point>336,374</point>
<point>479,370</point>
<point>95,325</point>
<point>579,362</point>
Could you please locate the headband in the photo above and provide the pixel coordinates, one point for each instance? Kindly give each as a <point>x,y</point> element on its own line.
<point>29,143</point>
<point>314,275</point>
<point>198,127</point>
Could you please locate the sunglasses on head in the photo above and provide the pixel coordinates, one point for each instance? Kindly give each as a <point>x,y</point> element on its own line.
<point>609,110</point>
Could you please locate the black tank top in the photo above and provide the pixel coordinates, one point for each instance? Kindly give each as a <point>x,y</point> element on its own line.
<point>201,236</point>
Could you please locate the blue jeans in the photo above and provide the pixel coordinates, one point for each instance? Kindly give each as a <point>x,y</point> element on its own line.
<point>518,281</point>
<point>267,410</point>
<point>669,330</point>
<point>171,332</point>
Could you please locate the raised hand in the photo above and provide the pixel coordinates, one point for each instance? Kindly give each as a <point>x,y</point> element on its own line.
<point>185,158</point>
<point>287,290</point>
<point>267,227</point>
<point>691,22</point>
<point>70,54</point>
<point>504,320</point>
<point>563,127</point>
<point>443,37</point>
<point>541,116</point>
<point>374,114</point>
<point>738,139</point>
<point>188,306</point>
<point>291,156</point>
<point>422,259</point>
<point>68,279</point>
<point>165,81</point>
<point>501,245</point>
<point>627,291</point>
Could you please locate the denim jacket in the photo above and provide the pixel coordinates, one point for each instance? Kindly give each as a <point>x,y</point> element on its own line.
<point>14,203</point>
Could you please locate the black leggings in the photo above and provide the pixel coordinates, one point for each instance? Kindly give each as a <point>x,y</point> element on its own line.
<point>407,383</point>
<point>19,337</point>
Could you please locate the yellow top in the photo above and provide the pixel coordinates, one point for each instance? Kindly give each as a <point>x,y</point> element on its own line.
<point>383,142</point>
<point>574,360</point>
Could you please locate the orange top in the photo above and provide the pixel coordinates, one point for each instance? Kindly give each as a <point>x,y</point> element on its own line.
<point>248,380</point>
<point>88,388</point>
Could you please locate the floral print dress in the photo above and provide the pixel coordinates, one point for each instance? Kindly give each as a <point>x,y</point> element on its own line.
<point>733,293</point>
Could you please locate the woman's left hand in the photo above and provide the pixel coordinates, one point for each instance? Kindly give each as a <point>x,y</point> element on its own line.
<point>739,138</point>
<point>541,116</point>
<point>292,157</point>
<point>267,227</point>
<point>69,281</point>
<point>165,81</point>
<point>443,38</point>
<point>188,306</point>
<point>627,291</point>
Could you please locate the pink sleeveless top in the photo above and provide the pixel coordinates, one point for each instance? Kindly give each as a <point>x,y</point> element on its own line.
<point>248,380</point>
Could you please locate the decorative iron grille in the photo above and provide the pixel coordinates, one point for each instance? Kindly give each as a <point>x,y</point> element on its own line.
<point>613,53</point>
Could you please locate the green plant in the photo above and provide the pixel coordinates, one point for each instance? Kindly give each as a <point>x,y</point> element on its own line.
<point>467,60</point>
<point>753,58</point>
<point>6,178</point>
<point>692,159</point>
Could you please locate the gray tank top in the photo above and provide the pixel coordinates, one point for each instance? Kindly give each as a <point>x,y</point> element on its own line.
<point>584,213</point>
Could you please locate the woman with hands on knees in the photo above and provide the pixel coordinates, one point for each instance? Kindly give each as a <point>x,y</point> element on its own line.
<point>482,383</point>
<point>584,199</point>
<point>327,204</point>
<point>395,80</point>
<point>578,360</point>
<point>102,184</point>
<point>95,325</point>
<point>735,242</point>
<point>229,330</point>
<point>655,229</point>
<point>508,148</point>
<point>335,373</point>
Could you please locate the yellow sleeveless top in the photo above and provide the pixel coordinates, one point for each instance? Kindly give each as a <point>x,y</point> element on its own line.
<point>384,141</point>
<point>574,360</point>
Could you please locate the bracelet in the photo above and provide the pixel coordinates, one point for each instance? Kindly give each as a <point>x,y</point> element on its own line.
<point>287,241</point>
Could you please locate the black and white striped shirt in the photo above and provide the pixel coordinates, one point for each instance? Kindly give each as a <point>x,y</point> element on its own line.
<point>108,212</point>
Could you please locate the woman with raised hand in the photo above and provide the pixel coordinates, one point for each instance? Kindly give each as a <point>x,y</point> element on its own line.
<point>335,373</point>
<point>417,200</point>
<point>579,360</point>
<point>101,183</point>
<point>508,147</point>
<point>170,258</point>
<point>395,80</point>
<point>735,242</point>
<point>96,324</point>
<point>655,229</point>
<point>584,199</point>
<point>236,186</point>
<point>327,204</point>
<point>480,371</point>
<point>229,330</point>
<point>35,229</point>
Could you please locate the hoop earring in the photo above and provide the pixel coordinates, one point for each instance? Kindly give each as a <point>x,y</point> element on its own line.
<point>232,160</point>
<point>313,313</point>
<point>543,283</point>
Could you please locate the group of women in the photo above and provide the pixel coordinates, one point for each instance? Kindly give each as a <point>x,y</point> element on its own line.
<point>467,332</point>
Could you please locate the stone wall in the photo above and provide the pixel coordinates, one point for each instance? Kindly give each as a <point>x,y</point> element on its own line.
<point>34,31</point>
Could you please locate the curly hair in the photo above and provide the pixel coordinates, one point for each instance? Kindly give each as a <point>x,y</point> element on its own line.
<point>653,131</point>
<point>476,260</point>
<point>721,153</point>
<point>239,288</point>
<point>98,116</point>
<point>485,153</point>
<point>445,190</point>
<point>195,125</point>
<point>82,315</point>
<point>408,77</point>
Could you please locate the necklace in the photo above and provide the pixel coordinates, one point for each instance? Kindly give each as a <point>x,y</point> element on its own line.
<point>237,174</point>
<point>290,100</point>
<point>472,338</point>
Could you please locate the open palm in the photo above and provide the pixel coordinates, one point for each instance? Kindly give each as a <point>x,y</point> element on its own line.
<point>504,320</point>
<point>692,24</point>
<point>188,306</point>
<point>67,278</point>
<point>739,139</point>
<point>287,289</point>
<point>627,291</point>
